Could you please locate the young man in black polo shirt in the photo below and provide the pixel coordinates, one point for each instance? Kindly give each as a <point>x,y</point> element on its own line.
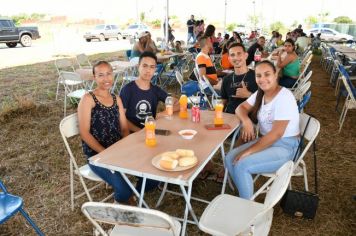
<point>238,86</point>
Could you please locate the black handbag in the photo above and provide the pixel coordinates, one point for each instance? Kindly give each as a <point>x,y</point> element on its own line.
<point>302,203</point>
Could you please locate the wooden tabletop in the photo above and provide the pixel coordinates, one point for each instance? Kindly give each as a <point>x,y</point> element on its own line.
<point>131,156</point>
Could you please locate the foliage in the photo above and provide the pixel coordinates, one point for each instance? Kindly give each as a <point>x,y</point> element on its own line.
<point>311,20</point>
<point>343,20</point>
<point>18,19</point>
<point>231,27</point>
<point>142,16</point>
<point>156,23</point>
<point>253,20</point>
<point>323,16</point>
<point>277,26</point>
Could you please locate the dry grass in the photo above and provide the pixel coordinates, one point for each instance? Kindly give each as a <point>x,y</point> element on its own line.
<point>35,165</point>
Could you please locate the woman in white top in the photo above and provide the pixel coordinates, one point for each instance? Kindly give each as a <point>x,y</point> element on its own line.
<point>275,110</point>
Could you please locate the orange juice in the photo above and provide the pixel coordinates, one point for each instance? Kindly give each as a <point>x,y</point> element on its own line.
<point>169,110</point>
<point>150,126</point>
<point>218,120</point>
<point>183,102</point>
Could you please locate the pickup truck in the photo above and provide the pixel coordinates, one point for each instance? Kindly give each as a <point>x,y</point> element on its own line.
<point>12,35</point>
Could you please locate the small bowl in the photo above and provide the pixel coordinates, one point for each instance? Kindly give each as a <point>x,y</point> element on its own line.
<point>187,133</point>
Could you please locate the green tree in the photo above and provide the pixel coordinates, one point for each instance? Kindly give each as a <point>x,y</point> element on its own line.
<point>142,16</point>
<point>323,16</point>
<point>343,20</point>
<point>277,26</point>
<point>156,23</point>
<point>311,20</point>
<point>231,27</point>
<point>253,20</point>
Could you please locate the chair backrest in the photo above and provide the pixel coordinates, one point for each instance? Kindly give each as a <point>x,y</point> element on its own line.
<point>347,82</point>
<point>304,101</point>
<point>83,61</point>
<point>279,185</point>
<point>305,79</point>
<point>118,214</point>
<point>179,78</point>
<point>63,64</point>
<point>69,126</point>
<point>310,133</point>
<point>128,54</point>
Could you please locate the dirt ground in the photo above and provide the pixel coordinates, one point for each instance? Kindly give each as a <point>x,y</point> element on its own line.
<point>34,163</point>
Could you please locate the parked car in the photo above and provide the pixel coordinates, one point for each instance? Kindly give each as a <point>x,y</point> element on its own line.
<point>103,32</point>
<point>134,30</point>
<point>12,35</point>
<point>328,34</point>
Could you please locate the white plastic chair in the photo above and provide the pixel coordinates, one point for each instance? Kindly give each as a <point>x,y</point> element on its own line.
<point>228,215</point>
<point>205,84</point>
<point>350,101</point>
<point>69,128</point>
<point>63,64</point>
<point>74,87</point>
<point>83,61</point>
<point>301,76</point>
<point>129,220</point>
<point>299,166</point>
<point>303,89</point>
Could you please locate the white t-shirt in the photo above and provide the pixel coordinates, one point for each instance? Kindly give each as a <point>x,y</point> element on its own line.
<point>282,107</point>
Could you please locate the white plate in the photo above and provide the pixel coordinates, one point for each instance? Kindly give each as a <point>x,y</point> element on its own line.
<point>192,131</point>
<point>155,163</point>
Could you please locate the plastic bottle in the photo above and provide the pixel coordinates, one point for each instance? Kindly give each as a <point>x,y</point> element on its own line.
<point>150,126</point>
<point>183,103</point>
<point>219,106</point>
<point>169,106</point>
<point>258,56</point>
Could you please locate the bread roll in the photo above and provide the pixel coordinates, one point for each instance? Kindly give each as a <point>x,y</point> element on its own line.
<point>185,152</point>
<point>172,155</point>
<point>168,164</point>
<point>187,161</point>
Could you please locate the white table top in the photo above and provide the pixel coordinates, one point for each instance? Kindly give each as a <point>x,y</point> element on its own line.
<point>131,156</point>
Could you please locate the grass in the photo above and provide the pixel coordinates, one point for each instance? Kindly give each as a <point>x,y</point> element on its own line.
<point>34,163</point>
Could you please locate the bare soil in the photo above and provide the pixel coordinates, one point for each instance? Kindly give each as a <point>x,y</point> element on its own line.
<point>35,165</point>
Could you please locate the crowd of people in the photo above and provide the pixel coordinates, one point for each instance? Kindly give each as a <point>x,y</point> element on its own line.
<point>256,95</point>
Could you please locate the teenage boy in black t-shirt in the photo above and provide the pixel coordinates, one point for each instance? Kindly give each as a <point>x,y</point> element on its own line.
<point>140,97</point>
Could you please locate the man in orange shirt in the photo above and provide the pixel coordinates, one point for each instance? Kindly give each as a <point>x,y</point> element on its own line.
<point>205,65</point>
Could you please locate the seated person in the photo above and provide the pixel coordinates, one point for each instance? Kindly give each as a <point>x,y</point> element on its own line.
<point>225,62</point>
<point>238,86</point>
<point>302,42</point>
<point>150,45</point>
<point>275,110</point>
<point>290,65</point>
<point>140,46</point>
<point>178,47</point>
<point>205,65</point>
<point>102,122</point>
<point>140,97</point>
<point>251,51</point>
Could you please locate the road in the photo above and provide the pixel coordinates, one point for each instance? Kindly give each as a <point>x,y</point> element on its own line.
<point>66,42</point>
<point>46,51</point>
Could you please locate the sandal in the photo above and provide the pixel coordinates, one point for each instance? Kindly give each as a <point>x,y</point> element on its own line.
<point>220,176</point>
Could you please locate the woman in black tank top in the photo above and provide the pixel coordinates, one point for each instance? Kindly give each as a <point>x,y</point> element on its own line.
<point>102,122</point>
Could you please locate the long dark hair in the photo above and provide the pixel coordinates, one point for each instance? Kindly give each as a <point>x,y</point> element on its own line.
<point>260,93</point>
<point>209,31</point>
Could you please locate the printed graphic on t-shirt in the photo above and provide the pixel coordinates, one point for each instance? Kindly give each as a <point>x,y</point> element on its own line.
<point>266,116</point>
<point>143,107</point>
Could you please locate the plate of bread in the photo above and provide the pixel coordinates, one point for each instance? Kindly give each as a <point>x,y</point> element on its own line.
<point>178,160</point>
